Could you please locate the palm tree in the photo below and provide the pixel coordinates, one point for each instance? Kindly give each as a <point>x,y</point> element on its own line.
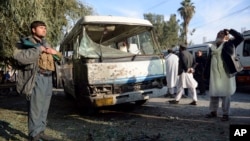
<point>186,11</point>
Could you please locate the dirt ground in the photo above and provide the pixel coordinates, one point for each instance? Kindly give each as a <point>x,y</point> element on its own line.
<point>157,120</point>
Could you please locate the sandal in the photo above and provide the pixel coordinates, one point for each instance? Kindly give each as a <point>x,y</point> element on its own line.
<point>211,115</point>
<point>225,118</point>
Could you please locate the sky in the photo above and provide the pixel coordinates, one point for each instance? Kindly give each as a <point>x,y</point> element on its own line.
<point>210,16</point>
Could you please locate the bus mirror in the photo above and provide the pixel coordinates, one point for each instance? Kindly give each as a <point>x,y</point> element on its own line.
<point>110,28</point>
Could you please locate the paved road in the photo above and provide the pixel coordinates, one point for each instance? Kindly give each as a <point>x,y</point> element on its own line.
<point>240,106</point>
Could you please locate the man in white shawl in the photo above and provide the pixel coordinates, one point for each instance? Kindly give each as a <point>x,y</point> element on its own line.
<point>172,62</point>
<point>221,70</point>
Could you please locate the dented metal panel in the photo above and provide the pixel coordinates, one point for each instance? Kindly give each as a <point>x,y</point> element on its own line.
<point>122,72</point>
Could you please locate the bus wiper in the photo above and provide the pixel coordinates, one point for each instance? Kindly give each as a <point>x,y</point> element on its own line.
<point>100,46</point>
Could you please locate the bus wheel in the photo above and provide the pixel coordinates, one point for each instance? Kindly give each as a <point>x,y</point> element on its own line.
<point>85,105</point>
<point>140,102</point>
<point>86,108</point>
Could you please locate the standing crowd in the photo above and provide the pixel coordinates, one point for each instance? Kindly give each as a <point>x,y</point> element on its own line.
<point>186,73</point>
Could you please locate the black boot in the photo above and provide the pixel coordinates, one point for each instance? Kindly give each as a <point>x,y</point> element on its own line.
<point>193,103</point>
<point>173,102</point>
<point>225,118</point>
<point>211,115</point>
<point>36,138</point>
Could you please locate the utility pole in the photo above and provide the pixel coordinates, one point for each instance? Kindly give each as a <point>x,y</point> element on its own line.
<point>243,29</point>
<point>204,39</point>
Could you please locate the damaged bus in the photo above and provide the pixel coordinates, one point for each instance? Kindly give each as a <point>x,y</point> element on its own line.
<point>111,60</point>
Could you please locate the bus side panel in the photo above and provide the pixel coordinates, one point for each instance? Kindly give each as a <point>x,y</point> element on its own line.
<point>123,72</point>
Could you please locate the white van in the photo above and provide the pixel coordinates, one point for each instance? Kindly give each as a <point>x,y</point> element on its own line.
<point>243,50</point>
<point>243,53</point>
<point>202,47</point>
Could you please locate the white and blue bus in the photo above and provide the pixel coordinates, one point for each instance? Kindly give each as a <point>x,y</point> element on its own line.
<point>111,60</point>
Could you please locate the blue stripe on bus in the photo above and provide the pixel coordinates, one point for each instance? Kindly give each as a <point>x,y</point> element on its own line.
<point>130,80</point>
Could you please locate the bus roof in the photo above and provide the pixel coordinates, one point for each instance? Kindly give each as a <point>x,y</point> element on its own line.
<point>200,45</point>
<point>114,20</point>
<point>122,26</point>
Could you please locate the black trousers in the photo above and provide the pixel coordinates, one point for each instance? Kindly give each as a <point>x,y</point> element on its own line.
<point>201,83</point>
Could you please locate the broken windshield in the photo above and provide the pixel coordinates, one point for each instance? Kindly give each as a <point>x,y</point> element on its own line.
<point>140,44</point>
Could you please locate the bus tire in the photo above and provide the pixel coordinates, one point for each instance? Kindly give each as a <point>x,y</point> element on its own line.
<point>140,102</point>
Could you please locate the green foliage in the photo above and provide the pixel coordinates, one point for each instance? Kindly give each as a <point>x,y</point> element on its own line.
<point>171,32</point>
<point>166,31</point>
<point>16,16</point>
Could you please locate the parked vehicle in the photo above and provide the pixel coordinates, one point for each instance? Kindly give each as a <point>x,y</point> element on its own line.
<point>194,48</point>
<point>111,60</point>
<point>243,53</point>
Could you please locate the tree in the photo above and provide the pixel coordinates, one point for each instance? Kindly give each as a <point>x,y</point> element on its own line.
<point>186,11</point>
<point>166,31</point>
<point>170,31</point>
<point>158,24</point>
<point>16,16</point>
